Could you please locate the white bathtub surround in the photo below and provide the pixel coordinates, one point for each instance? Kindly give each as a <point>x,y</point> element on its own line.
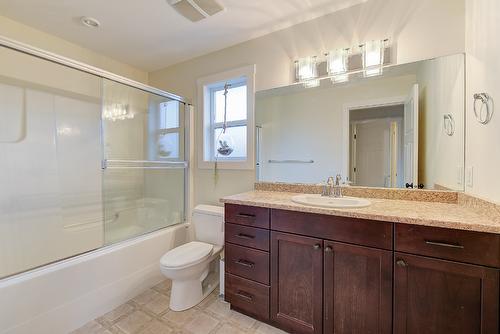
<point>61,297</point>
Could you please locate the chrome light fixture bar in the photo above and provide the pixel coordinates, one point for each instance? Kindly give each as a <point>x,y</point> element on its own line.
<point>369,59</point>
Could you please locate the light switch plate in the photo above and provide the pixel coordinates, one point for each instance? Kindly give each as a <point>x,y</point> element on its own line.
<point>469,179</point>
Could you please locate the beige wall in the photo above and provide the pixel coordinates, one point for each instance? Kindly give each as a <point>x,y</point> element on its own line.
<point>39,39</point>
<point>483,75</point>
<point>421,29</point>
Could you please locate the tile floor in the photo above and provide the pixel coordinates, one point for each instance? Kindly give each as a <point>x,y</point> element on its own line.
<point>148,313</point>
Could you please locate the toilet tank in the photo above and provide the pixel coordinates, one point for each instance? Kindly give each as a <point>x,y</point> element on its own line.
<point>208,223</point>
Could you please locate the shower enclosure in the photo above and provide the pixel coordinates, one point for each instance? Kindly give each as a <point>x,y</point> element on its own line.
<point>87,159</point>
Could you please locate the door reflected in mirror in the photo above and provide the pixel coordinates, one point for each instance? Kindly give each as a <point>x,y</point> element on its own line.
<point>385,131</point>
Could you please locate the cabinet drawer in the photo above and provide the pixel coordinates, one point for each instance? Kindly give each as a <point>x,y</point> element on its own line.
<point>247,296</point>
<point>247,236</point>
<point>458,245</point>
<point>350,230</point>
<point>247,215</point>
<point>248,263</point>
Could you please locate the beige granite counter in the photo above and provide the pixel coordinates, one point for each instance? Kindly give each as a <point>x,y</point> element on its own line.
<point>448,215</point>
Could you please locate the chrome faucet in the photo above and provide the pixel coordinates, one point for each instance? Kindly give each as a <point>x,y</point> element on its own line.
<point>332,187</point>
<point>337,188</point>
<point>328,187</point>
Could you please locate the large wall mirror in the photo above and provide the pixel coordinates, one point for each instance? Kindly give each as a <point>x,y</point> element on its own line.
<point>403,128</point>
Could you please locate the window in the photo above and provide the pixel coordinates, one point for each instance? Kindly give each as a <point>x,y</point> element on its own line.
<point>236,119</point>
<point>166,131</point>
<point>239,118</point>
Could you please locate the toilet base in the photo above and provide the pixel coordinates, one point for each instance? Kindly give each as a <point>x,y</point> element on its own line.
<point>186,294</point>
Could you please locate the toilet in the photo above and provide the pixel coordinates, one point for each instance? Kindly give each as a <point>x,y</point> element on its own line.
<point>194,267</point>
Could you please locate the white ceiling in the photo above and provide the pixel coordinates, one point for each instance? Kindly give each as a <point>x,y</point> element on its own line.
<point>150,35</point>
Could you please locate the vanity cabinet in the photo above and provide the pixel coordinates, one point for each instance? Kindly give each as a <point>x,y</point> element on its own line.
<point>312,273</point>
<point>435,296</point>
<point>357,289</point>
<point>297,282</point>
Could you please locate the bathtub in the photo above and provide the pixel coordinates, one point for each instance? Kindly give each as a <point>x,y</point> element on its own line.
<point>61,297</point>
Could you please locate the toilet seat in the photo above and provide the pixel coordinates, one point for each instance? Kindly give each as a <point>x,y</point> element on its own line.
<point>186,255</point>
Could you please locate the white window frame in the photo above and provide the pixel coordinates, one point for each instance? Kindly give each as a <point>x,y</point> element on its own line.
<point>156,132</point>
<point>205,127</point>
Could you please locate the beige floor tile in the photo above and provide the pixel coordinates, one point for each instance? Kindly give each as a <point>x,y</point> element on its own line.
<point>207,301</point>
<point>219,308</point>
<point>134,322</point>
<point>266,329</point>
<point>201,324</point>
<point>118,312</point>
<point>157,327</point>
<point>92,327</point>
<point>180,318</point>
<point>229,329</point>
<point>242,320</point>
<point>146,297</point>
<point>158,303</point>
<point>164,287</point>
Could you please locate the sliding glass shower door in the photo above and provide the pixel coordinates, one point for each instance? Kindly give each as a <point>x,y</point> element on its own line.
<point>50,157</point>
<point>144,168</point>
<point>84,162</point>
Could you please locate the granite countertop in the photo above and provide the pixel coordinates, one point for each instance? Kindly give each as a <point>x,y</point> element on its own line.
<point>445,215</point>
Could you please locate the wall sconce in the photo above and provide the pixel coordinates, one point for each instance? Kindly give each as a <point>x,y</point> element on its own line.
<point>306,71</point>
<point>373,57</point>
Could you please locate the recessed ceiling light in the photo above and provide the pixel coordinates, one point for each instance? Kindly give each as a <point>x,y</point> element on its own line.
<point>90,22</point>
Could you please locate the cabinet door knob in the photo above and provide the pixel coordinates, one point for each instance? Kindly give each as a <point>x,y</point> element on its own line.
<point>401,263</point>
<point>317,246</point>
<point>328,249</point>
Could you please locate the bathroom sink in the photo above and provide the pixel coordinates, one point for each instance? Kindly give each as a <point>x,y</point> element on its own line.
<point>331,202</point>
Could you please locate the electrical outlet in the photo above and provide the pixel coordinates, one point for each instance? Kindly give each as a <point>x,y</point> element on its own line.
<point>469,178</point>
<point>460,174</point>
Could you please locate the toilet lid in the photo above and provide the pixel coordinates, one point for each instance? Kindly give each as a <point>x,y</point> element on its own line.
<point>187,254</point>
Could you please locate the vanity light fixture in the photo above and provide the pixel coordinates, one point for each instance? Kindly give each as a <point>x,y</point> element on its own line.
<point>306,71</point>
<point>337,64</point>
<point>373,57</point>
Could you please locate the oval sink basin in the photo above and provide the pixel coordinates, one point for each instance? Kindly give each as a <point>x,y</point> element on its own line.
<point>331,202</point>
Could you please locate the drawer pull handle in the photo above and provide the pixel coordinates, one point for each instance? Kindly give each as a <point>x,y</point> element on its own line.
<point>328,249</point>
<point>244,295</point>
<point>245,236</point>
<point>245,263</point>
<point>245,216</point>
<point>401,263</point>
<point>317,246</point>
<point>443,244</point>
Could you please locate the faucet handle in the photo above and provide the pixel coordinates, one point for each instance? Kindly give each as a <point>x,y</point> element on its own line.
<point>330,181</point>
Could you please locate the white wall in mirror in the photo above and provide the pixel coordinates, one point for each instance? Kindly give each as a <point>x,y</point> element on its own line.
<point>305,135</point>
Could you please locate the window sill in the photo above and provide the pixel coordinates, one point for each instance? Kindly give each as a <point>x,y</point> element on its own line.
<point>234,165</point>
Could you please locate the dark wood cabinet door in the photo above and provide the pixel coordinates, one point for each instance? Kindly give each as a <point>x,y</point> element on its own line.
<point>437,296</point>
<point>357,289</point>
<point>296,283</point>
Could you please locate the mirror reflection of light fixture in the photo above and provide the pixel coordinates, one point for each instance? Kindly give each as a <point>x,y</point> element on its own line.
<point>306,71</point>
<point>117,112</point>
<point>373,57</point>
